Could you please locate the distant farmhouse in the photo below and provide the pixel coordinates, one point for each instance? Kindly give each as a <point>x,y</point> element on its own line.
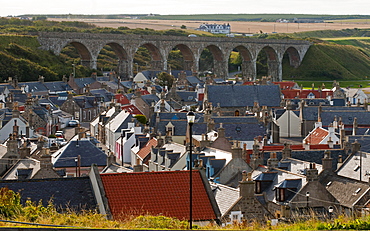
<point>215,28</point>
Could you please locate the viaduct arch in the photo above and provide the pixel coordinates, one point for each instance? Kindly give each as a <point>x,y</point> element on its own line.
<point>89,46</point>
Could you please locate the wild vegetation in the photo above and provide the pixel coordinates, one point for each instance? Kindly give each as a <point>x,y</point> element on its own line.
<point>14,213</point>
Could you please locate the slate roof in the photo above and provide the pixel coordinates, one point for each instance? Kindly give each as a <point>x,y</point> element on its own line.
<point>266,176</point>
<point>364,140</point>
<point>150,74</point>
<point>157,193</point>
<point>58,100</point>
<point>243,95</point>
<point>225,196</point>
<point>57,86</point>
<point>344,189</point>
<point>34,86</point>
<point>329,113</point>
<point>127,84</point>
<point>83,82</point>
<point>311,155</point>
<point>193,80</point>
<point>176,73</point>
<point>187,96</point>
<point>148,99</point>
<point>75,193</point>
<point>351,167</point>
<point>90,154</point>
<point>102,94</point>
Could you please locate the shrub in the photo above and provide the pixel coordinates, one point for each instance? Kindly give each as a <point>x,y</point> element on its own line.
<point>10,203</point>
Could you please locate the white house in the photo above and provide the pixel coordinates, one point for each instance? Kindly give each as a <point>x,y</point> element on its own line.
<point>355,96</point>
<point>215,28</point>
<point>23,128</point>
<point>289,124</point>
<point>125,142</point>
<point>113,128</point>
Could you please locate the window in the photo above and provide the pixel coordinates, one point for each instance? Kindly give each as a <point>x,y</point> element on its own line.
<point>170,131</point>
<point>258,186</point>
<point>281,194</point>
<point>236,216</point>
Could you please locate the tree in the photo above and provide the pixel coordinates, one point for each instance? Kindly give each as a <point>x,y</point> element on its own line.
<point>165,79</point>
<point>183,27</point>
<point>141,118</point>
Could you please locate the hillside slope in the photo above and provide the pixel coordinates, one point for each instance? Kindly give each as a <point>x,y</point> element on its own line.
<point>326,61</point>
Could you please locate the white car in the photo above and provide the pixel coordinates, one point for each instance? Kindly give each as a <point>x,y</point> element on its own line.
<point>73,123</point>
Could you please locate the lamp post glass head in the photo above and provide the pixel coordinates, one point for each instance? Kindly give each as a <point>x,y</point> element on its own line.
<point>331,209</point>
<point>191,117</point>
<point>307,194</point>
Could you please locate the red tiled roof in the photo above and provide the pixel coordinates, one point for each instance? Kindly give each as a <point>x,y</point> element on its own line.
<point>165,193</point>
<point>121,99</point>
<point>279,148</point>
<point>132,109</point>
<point>142,153</point>
<point>316,136</point>
<point>144,92</point>
<point>302,94</point>
<point>286,84</point>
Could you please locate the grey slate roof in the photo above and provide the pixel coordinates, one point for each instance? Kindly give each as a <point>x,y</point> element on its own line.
<point>57,86</point>
<point>148,99</point>
<point>102,94</point>
<point>83,82</point>
<point>34,86</point>
<point>311,155</point>
<point>90,154</point>
<point>363,140</point>
<point>344,189</point>
<point>75,192</point>
<point>244,95</point>
<point>187,96</point>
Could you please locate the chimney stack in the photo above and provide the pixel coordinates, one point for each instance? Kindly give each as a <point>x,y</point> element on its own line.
<point>236,151</point>
<point>356,146</point>
<point>246,186</point>
<point>272,162</point>
<point>312,173</point>
<point>138,167</point>
<point>327,161</point>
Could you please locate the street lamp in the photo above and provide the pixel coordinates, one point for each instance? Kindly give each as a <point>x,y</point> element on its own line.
<point>76,161</point>
<point>307,197</point>
<point>191,118</point>
<point>74,69</point>
<point>137,68</point>
<point>331,210</point>
<point>122,147</point>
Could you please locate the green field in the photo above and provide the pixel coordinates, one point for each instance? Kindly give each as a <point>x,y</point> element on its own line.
<point>328,84</point>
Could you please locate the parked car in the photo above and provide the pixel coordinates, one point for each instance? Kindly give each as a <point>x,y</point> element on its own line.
<point>73,123</point>
<point>59,134</point>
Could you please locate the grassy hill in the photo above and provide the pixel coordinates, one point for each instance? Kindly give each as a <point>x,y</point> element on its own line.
<point>327,61</point>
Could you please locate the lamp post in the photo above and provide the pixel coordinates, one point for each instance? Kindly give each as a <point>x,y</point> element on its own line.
<point>137,68</point>
<point>307,197</point>
<point>122,147</point>
<point>76,161</point>
<point>191,118</point>
<point>74,69</point>
<point>331,210</point>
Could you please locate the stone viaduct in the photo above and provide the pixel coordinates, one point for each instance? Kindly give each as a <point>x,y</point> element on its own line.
<point>89,46</point>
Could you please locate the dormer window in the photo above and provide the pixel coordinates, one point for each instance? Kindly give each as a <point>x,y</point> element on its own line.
<point>170,129</point>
